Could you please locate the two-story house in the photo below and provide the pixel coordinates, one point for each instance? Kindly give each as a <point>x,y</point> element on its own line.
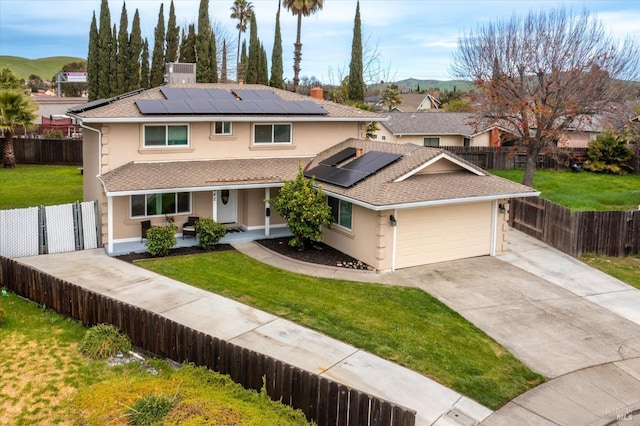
<point>223,151</point>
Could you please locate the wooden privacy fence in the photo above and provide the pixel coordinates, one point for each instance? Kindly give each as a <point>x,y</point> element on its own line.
<point>48,151</point>
<point>610,233</point>
<point>505,157</point>
<point>322,400</point>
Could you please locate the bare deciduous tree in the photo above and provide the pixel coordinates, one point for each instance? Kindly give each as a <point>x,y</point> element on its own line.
<point>539,73</point>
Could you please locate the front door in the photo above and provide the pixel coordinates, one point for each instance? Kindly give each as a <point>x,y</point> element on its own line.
<point>227,205</point>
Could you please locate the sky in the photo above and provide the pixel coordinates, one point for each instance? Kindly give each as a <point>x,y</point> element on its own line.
<point>403,38</point>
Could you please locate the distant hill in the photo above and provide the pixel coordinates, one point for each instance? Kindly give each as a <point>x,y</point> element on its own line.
<point>443,85</point>
<point>45,68</point>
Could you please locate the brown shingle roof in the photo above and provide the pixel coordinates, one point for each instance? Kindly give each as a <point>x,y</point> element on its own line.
<point>125,107</point>
<point>381,189</point>
<point>154,176</point>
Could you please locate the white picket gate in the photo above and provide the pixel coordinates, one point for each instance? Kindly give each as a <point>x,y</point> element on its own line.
<point>51,229</point>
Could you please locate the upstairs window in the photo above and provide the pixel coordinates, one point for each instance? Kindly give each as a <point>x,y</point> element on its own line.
<point>432,142</point>
<point>272,134</point>
<point>222,128</point>
<point>166,135</point>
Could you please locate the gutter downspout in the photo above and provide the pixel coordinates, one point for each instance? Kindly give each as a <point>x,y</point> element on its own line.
<point>109,199</point>
<point>494,227</point>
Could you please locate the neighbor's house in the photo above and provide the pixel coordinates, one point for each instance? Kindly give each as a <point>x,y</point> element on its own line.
<point>417,102</point>
<point>435,129</point>
<point>223,150</point>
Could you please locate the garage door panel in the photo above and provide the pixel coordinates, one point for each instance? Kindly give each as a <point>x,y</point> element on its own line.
<point>443,233</point>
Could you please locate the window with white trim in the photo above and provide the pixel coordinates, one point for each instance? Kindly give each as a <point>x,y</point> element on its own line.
<point>432,142</point>
<point>166,135</point>
<point>222,128</point>
<point>169,203</point>
<point>341,211</point>
<point>271,134</point>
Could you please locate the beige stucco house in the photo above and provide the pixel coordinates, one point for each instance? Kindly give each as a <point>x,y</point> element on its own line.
<point>436,129</point>
<point>223,150</point>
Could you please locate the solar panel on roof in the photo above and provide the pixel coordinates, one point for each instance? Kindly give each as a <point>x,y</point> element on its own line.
<point>177,106</point>
<point>202,106</point>
<point>174,93</point>
<point>310,107</point>
<point>321,172</point>
<point>90,105</point>
<point>220,94</point>
<point>227,107</point>
<point>151,106</point>
<point>341,156</point>
<point>372,161</point>
<point>256,95</point>
<point>346,178</point>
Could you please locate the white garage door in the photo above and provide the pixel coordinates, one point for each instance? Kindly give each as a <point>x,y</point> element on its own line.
<point>438,234</point>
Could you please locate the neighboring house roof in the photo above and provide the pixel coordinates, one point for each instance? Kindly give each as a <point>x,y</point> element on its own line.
<point>200,174</point>
<point>407,183</point>
<point>434,123</point>
<point>414,102</point>
<point>123,108</point>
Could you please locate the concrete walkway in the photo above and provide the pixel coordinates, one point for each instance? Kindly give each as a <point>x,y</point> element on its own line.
<point>562,318</point>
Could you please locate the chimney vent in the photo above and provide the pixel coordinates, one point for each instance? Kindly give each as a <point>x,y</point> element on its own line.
<point>317,92</point>
<point>358,152</point>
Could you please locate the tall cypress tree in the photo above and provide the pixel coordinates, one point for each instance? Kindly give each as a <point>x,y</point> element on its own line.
<point>188,46</point>
<point>253,61</point>
<point>263,74</point>
<point>156,75</point>
<point>173,33</point>
<point>223,66</point>
<point>104,52</point>
<point>203,44</point>
<point>92,60</point>
<point>122,62</point>
<point>135,50</point>
<point>243,61</point>
<point>144,65</point>
<point>113,63</point>
<point>213,58</point>
<point>356,79</point>
<point>277,70</point>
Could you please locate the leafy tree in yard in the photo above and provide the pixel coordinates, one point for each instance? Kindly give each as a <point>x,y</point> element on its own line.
<point>8,79</point>
<point>536,74</point>
<point>608,153</point>
<point>305,208</point>
<point>300,8</point>
<point>252,69</point>
<point>356,79</point>
<point>16,110</point>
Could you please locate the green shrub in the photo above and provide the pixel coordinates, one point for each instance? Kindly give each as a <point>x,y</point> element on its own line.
<point>209,232</point>
<point>52,134</point>
<point>608,153</point>
<point>161,239</point>
<point>103,341</point>
<point>3,316</point>
<point>150,409</point>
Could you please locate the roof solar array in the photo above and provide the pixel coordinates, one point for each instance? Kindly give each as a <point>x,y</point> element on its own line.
<point>218,101</point>
<point>354,171</point>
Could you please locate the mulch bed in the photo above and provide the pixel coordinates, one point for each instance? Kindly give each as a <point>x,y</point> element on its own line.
<point>318,253</point>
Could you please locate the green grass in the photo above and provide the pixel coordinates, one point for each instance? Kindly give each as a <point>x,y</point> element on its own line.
<point>625,269</point>
<point>404,325</point>
<point>45,380</point>
<point>583,191</point>
<point>34,185</point>
<point>45,68</point>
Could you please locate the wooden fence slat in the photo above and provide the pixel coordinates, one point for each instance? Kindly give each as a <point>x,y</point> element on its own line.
<point>343,406</point>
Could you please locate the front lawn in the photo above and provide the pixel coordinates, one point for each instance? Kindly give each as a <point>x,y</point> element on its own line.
<point>404,325</point>
<point>35,185</point>
<point>583,190</point>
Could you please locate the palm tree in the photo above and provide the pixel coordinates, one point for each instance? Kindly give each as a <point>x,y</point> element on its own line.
<point>16,110</point>
<point>242,10</point>
<point>300,8</point>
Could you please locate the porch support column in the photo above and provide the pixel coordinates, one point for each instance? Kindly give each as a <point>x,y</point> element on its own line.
<point>267,211</point>
<point>110,224</point>
<point>214,207</point>
<point>494,227</point>
<point>395,236</point>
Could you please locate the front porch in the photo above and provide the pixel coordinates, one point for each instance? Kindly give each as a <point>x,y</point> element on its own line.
<point>234,235</point>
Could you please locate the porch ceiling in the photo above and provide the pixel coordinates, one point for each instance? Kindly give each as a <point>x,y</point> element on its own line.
<point>149,176</point>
